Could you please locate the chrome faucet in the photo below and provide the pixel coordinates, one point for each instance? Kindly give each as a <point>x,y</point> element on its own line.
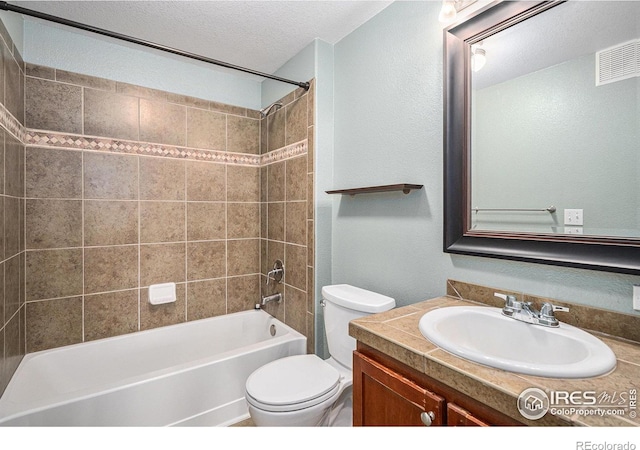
<point>277,297</point>
<point>276,273</point>
<point>526,312</point>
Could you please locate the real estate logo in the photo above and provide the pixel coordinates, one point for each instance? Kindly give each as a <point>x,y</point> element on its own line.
<point>533,403</point>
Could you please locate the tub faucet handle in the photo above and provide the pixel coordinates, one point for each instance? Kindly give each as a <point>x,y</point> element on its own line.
<point>276,273</point>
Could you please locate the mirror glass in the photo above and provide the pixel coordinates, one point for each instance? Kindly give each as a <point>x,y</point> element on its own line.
<point>555,123</point>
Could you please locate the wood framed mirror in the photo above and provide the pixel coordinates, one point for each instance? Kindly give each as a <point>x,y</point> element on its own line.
<point>596,249</point>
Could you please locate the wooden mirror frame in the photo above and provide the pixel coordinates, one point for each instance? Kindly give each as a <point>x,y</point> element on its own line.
<point>586,252</point>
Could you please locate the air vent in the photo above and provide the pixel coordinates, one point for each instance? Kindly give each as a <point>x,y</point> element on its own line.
<point>618,63</point>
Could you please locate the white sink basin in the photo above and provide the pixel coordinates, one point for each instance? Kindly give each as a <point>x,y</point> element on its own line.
<point>483,335</point>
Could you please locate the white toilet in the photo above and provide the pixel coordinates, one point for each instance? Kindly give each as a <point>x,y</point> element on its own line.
<point>305,390</point>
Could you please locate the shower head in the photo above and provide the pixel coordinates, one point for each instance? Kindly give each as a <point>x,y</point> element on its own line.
<point>265,111</point>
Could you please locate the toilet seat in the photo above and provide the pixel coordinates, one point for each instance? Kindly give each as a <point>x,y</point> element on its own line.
<point>292,383</point>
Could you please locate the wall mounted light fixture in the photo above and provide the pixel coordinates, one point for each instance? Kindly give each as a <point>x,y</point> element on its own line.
<point>478,57</point>
<point>451,8</point>
<point>448,12</point>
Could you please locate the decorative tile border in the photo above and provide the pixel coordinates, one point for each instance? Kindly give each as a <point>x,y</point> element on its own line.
<point>290,151</point>
<point>78,142</point>
<point>11,124</point>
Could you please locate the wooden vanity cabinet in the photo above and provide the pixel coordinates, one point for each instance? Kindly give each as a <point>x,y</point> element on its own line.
<point>388,393</point>
<point>459,417</point>
<point>383,397</point>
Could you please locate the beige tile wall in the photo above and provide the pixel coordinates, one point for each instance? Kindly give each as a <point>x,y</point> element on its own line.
<point>12,205</point>
<point>65,102</point>
<point>287,212</point>
<point>102,226</point>
<point>109,225</point>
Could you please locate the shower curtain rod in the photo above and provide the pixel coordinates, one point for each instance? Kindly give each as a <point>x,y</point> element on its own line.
<point>29,12</point>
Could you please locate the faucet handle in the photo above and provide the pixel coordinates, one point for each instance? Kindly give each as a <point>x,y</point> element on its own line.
<point>548,309</point>
<point>511,304</point>
<point>547,316</point>
<point>510,301</point>
<point>276,273</point>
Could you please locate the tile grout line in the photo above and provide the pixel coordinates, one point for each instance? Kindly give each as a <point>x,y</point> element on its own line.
<point>186,247</point>
<point>263,214</point>
<point>284,228</point>
<point>23,288</point>
<point>84,287</point>
<point>39,300</point>
<point>226,241</point>
<point>4,227</point>
<point>139,246</point>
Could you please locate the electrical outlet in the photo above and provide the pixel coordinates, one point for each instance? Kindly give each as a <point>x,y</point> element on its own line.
<point>573,217</point>
<point>572,230</point>
<point>636,297</point>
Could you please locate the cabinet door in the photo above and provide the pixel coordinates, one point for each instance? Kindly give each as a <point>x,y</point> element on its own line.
<point>459,417</point>
<point>384,397</point>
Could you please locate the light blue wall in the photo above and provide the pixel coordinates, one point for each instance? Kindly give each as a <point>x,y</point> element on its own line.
<point>323,172</point>
<point>388,129</point>
<point>15,26</point>
<point>552,137</point>
<point>302,67</point>
<point>62,48</point>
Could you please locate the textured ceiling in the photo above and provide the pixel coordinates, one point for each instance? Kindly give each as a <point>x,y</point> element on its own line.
<point>569,30</point>
<point>260,35</point>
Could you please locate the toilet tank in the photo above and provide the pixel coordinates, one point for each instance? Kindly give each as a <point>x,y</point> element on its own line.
<point>344,303</point>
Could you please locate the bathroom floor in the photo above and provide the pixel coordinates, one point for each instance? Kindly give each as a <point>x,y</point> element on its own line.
<point>245,423</point>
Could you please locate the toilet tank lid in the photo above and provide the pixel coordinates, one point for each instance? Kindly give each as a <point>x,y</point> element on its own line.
<point>357,298</point>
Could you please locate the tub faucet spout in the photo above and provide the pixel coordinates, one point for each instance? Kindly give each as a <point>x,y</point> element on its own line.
<point>277,297</point>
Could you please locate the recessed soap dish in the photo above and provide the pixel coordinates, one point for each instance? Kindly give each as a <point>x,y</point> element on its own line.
<point>162,293</point>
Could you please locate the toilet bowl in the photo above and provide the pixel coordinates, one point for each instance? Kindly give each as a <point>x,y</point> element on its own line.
<point>305,390</point>
<point>299,390</point>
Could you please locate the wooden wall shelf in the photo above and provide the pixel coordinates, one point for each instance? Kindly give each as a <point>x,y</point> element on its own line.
<point>404,187</point>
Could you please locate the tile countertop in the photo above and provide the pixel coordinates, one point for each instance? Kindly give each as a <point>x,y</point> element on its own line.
<point>396,334</point>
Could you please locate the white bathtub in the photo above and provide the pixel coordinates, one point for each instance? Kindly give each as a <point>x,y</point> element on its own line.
<point>189,374</point>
